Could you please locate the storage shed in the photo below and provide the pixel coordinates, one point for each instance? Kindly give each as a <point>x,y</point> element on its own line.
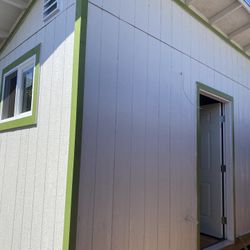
<point>124,124</point>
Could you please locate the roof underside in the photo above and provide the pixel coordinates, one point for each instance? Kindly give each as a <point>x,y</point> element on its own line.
<point>10,13</point>
<point>230,17</point>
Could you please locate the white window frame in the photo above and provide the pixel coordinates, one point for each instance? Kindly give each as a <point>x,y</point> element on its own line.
<point>21,68</point>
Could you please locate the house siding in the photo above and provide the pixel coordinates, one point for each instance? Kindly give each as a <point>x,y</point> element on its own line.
<point>138,170</point>
<point>34,160</point>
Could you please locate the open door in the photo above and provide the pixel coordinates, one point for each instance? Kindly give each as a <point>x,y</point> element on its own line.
<point>215,168</point>
<point>211,181</point>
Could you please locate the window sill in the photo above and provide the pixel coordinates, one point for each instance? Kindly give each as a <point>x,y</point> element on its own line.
<point>18,123</point>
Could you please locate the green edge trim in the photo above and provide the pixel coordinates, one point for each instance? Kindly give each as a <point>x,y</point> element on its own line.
<point>75,137</point>
<point>17,26</point>
<point>202,87</point>
<point>197,163</point>
<point>32,119</point>
<point>210,27</point>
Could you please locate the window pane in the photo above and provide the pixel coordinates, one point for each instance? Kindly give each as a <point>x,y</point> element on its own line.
<point>27,85</point>
<point>9,95</point>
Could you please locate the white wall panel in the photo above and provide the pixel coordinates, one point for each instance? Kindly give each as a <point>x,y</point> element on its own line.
<point>141,14</point>
<point>19,199</point>
<point>138,176</point>
<point>164,149</point>
<point>102,226</point>
<point>166,21</point>
<point>9,189</point>
<point>34,159</point>
<point>122,160</point>
<point>127,11</point>
<point>154,17</point>
<point>151,144</point>
<point>88,171</point>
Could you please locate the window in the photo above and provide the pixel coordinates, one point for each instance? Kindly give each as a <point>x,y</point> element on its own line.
<point>50,7</point>
<point>19,91</point>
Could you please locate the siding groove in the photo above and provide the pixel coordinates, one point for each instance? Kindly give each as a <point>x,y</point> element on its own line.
<point>16,187</point>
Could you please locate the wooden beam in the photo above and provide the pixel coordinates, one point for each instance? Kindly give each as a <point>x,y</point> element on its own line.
<point>239,31</point>
<point>225,12</point>
<point>189,2</point>
<point>20,4</point>
<point>247,48</point>
<point>3,34</point>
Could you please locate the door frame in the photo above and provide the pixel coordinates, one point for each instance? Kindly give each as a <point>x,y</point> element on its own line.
<point>229,158</point>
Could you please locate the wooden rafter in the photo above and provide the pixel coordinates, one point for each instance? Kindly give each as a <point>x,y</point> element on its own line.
<point>247,48</point>
<point>239,31</point>
<point>189,2</point>
<point>20,4</point>
<point>225,12</point>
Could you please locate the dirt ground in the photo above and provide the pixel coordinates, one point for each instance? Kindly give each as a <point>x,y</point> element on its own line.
<point>242,243</point>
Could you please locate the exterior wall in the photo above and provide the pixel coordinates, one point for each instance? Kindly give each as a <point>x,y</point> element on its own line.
<point>33,161</point>
<point>138,172</point>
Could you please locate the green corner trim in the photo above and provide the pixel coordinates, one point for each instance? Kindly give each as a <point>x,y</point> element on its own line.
<point>75,137</point>
<point>17,26</point>
<point>32,119</point>
<point>210,27</point>
<point>201,88</point>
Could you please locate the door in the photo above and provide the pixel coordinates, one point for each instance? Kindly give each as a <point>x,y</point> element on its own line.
<point>210,171</point>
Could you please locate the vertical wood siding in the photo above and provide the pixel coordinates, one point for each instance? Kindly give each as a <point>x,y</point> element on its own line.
<point>138,172</point>
<point>33,161</point>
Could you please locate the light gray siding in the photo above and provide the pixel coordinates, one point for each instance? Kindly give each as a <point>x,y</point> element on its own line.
<point>33,161</point>
<point>138,171</point>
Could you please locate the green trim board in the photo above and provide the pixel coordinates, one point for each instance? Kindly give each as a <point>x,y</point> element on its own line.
<point>204,89</point>
<point>210,27</point>
<point>17,26</point>
<point>31,119</point>
<point>75,137</point>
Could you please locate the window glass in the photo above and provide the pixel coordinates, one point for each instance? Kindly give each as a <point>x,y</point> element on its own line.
<point>9,95</point>
<point>27,85</point>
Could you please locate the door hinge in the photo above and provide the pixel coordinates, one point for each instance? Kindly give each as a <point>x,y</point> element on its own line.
<point>222,119</point>
<point>224,220</point>
<point>223,168</point>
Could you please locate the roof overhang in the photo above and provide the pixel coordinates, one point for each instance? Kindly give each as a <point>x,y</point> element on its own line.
<point>229,17</point>
<point>11,12</point>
